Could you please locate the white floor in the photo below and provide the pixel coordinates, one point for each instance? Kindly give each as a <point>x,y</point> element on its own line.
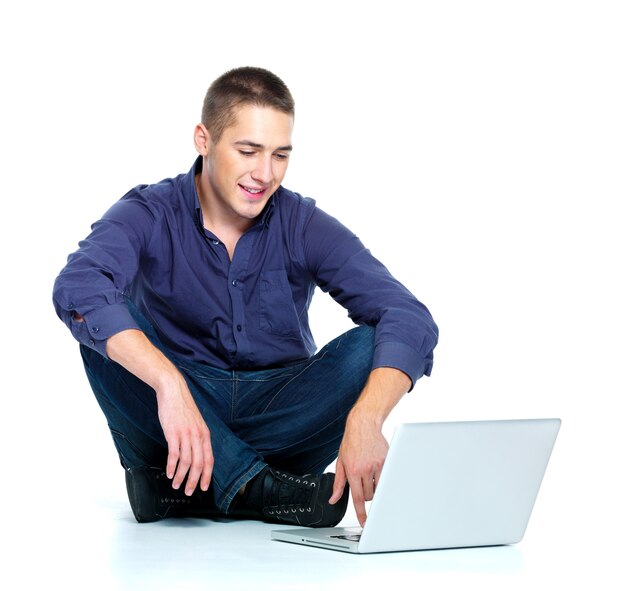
<point>91,541</point>
<point>66,523</point>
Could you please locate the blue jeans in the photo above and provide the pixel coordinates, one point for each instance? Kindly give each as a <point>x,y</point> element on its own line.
<point>291,417</point>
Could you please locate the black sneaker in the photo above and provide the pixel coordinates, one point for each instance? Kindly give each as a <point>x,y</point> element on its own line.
<point>152,498</point>
<point>281,497</point>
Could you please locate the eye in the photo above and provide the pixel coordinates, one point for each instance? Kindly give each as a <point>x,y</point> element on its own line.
<point>246,152</point>
<point>281,156</point>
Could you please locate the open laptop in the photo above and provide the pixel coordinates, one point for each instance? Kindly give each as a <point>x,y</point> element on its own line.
<point>448,485</point>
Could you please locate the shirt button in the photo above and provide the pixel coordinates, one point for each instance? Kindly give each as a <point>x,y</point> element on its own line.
<point>216,242</point>
<point>239,328</point>
<point>92,342</point>
<point>95,329</point>
<point>235,283</point>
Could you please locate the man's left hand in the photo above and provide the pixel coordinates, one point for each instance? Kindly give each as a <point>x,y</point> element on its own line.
<point>361,457</point>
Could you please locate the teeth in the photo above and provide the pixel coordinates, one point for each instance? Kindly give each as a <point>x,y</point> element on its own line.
<point>254,191</point>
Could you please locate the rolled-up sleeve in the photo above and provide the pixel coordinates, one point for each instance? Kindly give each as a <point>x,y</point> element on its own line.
<point>406,333</point>
<point>93,282</point>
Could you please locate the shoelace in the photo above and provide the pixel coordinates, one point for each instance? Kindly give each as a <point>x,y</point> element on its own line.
<point>290,494</point>
<point>168,495</point>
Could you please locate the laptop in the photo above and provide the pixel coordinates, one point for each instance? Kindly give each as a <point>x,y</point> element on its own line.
<point>448,485</point>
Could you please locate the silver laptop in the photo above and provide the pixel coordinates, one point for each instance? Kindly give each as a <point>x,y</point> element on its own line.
<point>448,485</point>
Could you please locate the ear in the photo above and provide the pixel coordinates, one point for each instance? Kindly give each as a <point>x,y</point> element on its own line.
<point>202,139</point>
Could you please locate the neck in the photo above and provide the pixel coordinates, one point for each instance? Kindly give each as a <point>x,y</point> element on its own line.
<point>228,229</point>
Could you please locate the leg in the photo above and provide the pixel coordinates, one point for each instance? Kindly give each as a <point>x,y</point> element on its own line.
<point>131,409</point>
<point>132,414</point>
<point>136,445</point>
<point>298,424</point>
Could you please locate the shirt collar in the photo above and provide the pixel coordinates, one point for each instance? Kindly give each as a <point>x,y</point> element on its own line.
<point>192,199</point>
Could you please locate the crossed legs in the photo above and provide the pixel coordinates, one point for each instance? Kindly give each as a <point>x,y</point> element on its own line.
<point>290,418</point>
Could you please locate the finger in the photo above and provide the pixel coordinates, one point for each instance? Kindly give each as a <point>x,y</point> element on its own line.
<point>376,480</point>
<point>184,462</point>
<point>339,484</point>
<point>207,468</point>
<point>195,469</point>
<point>359,501</point>
<point>173,455</point>
<point>200,447</point>
<point>368,488</point>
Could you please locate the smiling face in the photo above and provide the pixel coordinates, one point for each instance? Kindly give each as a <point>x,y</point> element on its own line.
<point>243,169</point>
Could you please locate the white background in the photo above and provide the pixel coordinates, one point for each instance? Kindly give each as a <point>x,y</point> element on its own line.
<point>477,148</point>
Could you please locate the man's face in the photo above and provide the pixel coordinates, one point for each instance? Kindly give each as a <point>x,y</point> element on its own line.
<point>244,168</point>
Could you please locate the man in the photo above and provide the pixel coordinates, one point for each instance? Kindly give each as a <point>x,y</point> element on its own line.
<point>190,300</point>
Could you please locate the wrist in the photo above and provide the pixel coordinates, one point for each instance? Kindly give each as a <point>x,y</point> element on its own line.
<point>168,382</point>
<point>383,390</point>
<point>362,416</point>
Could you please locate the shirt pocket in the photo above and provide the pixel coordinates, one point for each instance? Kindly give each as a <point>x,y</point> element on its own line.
<point>277,310</point>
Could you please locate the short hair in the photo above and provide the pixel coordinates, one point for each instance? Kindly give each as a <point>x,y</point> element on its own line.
<point>242,86</point>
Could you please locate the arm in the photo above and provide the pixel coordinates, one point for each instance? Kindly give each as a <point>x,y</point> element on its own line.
<point>341,265</point>
<point>405,338</point>
<point>89,298</point>
<point>188,438</point>
<point>88,294</point>
<point>363,448</point>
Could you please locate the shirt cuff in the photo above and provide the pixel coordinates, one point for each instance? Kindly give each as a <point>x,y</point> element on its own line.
<point>100,324</point>
<point>404,358</point>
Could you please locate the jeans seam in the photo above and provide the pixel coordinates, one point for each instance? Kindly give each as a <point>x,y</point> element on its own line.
<point>254,380</point>
<point>201,376</point>
<point>315,360</point>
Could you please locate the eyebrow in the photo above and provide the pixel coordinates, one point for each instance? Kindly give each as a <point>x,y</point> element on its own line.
<point>261,146</point>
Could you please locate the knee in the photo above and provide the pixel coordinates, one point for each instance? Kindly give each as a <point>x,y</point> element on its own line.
<point>361,338</point>
<point>357,349</point>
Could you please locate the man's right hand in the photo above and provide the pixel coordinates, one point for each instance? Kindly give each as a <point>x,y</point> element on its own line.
<point>188,438</point>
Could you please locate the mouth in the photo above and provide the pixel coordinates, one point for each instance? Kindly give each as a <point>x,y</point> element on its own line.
<point>255,193</point>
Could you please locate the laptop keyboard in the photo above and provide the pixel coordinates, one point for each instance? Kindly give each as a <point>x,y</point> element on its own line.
<point>349,537</point>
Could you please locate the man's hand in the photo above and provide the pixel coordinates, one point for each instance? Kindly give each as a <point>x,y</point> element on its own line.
<point>188,439</point>
<point>187,435</point>
<point>363,448</point>
<point>361,457</point>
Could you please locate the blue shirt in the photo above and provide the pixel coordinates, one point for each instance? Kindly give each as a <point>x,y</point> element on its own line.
<point>251,312</point>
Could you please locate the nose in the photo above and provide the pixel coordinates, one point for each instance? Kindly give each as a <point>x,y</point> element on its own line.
<point>263,170</point>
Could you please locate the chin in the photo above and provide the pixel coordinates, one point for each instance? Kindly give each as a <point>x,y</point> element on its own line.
<point>252,210</point>
<point>251,214</point>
